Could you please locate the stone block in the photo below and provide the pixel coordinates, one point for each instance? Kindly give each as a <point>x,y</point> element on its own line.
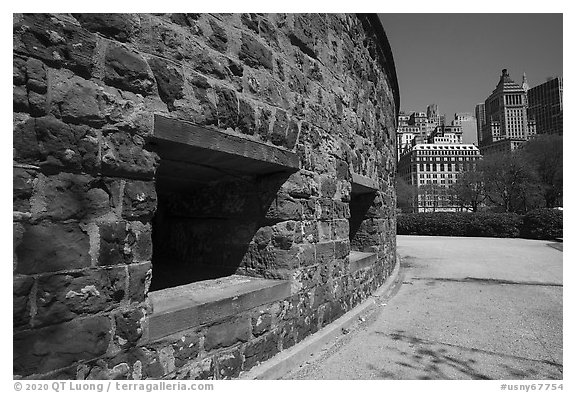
<point>49,247</point>
<point>288,335</point>
<point>53,347</point>
<point>186,20</point>
<point>263,236</point>
<point>113,244</point>
<point>310,233</point>
<point>301,184</point>
<point>18,71</point>
<point>326,209</point>
<point>20,99</point>
<point>246,117</point>
<point>202,370</point>
<point>340,229</point>
<point>37,103</point>
<point>139,277</point>
<point>307,254</point>
<point>324,231</point>
<point>229,364</point>
<point>23,181</point>
<point>268,32</point>
<point>68,196</point>
<point>56,42</point>
<point>129,327</point>
<point>186,349</point>
<point>261,349</point>
<point>218,39</point>
<point>124,155</point>
<point>284,208</point>
<point>254,54</point>
<point>292,134</point>
<point>227,108</point>
<point>283,234</point>
<point>50,143</point>
<point>308,28</point>
<point>127,70</point>
<point>20,299</point>
<point>278,134</point>
<point>250,21</point>
<point>261,323</point>
<point>263,123</point>
<point>227,333</point>
<point>36,76</point>
<point>61,297</point>
<point>77,100</point>
<point>119,27</point>
<point>284,259</point>
<point>139,241</point>
<point>341,249</point>
<point>169,79</point>
<point>324,252</point>
<point>310,209</point>
<point>205,63</point>
<point>139,200</point>
<point>327,186</point>
<point>341,210</point>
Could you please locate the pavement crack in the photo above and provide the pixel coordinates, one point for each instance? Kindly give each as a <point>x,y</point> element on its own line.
<point>495,281</point>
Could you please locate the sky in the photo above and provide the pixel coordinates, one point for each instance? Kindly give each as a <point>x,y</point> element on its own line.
<point>455,60</point>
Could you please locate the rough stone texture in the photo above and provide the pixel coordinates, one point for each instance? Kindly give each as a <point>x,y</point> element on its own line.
<point>50,247</point>
<point>53,347</point>
<point>62,297</point>
<point>97,222</point>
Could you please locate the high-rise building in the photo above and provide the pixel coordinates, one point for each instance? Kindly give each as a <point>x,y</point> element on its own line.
<point>468,123</point>
<point>432,114</point>
<point>480,120</point>
<point>506,114</point>
<point>403,119</point>
<point>433,168</point>
<point>545,106</point>
<point>451,134</point>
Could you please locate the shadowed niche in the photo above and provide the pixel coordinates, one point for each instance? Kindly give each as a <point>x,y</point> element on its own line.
<point>359,206</point>
<point>204,230</point>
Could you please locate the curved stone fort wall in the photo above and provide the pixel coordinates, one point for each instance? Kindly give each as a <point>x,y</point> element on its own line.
<point>194,193</point>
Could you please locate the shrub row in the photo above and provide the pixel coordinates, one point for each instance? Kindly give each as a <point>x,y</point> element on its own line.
<point>537,224</point>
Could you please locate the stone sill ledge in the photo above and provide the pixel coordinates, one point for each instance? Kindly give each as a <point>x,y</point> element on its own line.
<point>360,260</point>
<point>187,306</point>
<point>362,184</point>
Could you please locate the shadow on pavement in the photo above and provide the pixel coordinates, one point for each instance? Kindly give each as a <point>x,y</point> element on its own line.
<point>414,358</point>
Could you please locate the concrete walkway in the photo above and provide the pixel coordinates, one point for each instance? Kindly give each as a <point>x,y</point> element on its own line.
<point>469,308</point>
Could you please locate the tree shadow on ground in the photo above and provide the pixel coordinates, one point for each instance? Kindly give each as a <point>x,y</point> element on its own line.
<point>428,360</point>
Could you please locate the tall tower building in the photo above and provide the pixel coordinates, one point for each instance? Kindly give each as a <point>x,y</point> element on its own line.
<point>469,128</point>
<point>525,85</point>
<point>545,106</point>
<point>480,120</point>
<point>506,116</point>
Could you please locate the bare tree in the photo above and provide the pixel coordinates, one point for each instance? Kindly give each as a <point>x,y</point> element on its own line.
<point>544,153</point>
<point>468,192</point>
<point>405,195</point>
<point>510,182</point>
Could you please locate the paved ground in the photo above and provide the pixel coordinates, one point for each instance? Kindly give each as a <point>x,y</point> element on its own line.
<point>469,308</point>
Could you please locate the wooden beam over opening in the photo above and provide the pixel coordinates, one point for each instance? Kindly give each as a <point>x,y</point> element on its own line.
<point>363,185</point>
<point>181,141</point>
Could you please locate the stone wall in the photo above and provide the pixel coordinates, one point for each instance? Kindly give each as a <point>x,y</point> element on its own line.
<point>86,88</point>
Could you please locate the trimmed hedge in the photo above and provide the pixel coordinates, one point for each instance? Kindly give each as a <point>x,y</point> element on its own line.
<point>537,224</point>
<point>542,224</point>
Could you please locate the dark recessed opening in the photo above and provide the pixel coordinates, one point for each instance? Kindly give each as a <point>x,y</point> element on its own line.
<point>202,231</point>
<point>214,190</point>
<point>359,207</point>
